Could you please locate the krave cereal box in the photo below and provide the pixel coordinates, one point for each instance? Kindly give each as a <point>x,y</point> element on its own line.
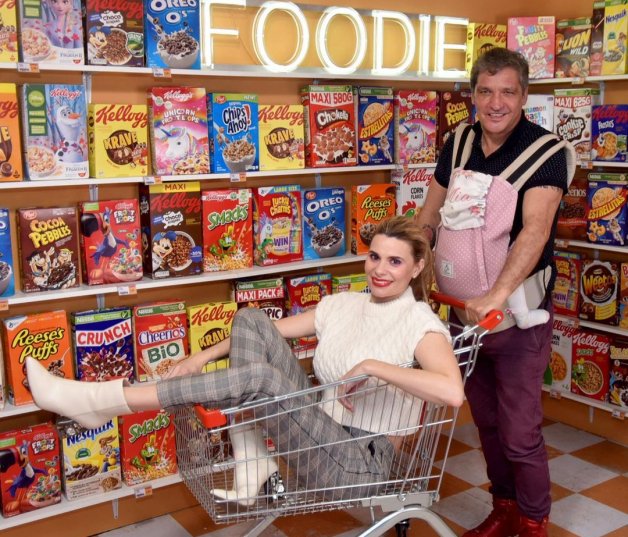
<point>8,32</point>
<point>573,37</point>
<point>281,137</point>
<point>7,268</point>
<point>370,204</point>
<point>416,125</point>
<point>10,145</point>
<point>375,117</point>
<point>615,32</point>
<point>610,133</point>
<point>590,368</point>
<point>481,37</point>
<point>411,189</point>
<point>534,38</point>
<point>324,229</point>
<point>210,324</point>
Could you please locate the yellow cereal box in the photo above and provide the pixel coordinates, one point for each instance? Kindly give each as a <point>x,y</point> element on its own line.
<point>281,137</point>
<point>210,324</point>
<point>8,31</point>
<point>483,36</point>
<point>10,147</point>
<point>118,140</point>
<point>615,32</point>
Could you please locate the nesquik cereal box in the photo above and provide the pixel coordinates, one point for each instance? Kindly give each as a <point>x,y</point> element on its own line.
<point>227,229</point>
<point>54,121</point>
<point>411,189</point>
<point>324,230</point>
<point>330,125</point>
<point>375,117</point>
<point>161,338</point>
<point>573,37</point>
<point>597,38</point>
<point>590,368</point>
<point>10,145</point>
<point>539,109</point>
<point>7,268</point>
<point>178,130</point>
<point>91,459</point>
<point>210,324</point>
<point>618,387</point>
<point>147,446</point>
<point>30,472</point>
<point>565,295</point>
<point>558,374</point>
<point>607,209</point>
<point>45,337</point>
<point>534,38</point>
<point>277,224</point>
<point>118,140</point>
<point>8,32</point>
<point>454,108</point>
<point>265,294</point>
<point>610,133</point>
<point>481,37</point>
<point>599,284</point>
<point>370,204</point>
<point>355,283</point>
<point>281,137</point>
<point>416,126</point>
<point>623,295</point>
<point>615,32</point>
<point>573,109</point>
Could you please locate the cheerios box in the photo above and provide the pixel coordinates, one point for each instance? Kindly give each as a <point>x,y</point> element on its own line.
<point>615,32</point>
<point>281,137</point>
<point>210,323</point>
<point>618,388</point>
<point>7,268</point>
<point>10,136</point>
<point>416,126</point>
<point>590,368</point>
<point>609,131</point>
<point>375,125</point>
<point>324,229</point>
<point>599,283</point>
<point>370,204</point>
<point>411,187</point>
<point>8,33</point>
<point>558,374</point>
<point>607,209</point>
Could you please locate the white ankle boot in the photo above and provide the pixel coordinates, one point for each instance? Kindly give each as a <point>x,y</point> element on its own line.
<point>91,404</point>
<point>248,446</point>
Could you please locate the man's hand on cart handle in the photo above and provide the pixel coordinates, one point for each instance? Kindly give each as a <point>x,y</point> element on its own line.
<point>490,321</point>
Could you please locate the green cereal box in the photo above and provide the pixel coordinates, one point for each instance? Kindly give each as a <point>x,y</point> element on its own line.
<point>355,283</point>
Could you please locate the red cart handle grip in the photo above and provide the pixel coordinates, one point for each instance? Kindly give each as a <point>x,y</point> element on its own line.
<point>492,319</point>
<point>210,418</point>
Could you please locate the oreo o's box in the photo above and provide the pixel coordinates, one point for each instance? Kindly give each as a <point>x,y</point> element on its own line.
<point>7,271</point>
<point>324,230</point>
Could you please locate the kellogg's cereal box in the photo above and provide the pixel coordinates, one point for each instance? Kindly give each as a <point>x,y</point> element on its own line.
<point>572,214</point>
<point>8,32</point>
<point>607,212</point>
<point>482,36</point>
<point>355,283</point>
<point>597,38</point>
<point>565,295</point>
<point>10,146</point>
<point>534,38</point>
<point>609,132</point>
<point>558,374</point>
<point>370,204</point>
<point>454,108</point>
<point>178,130</point>
<point>618,387</point>
<point>54,121</point>
<point>411,189</point>
<point>375,116</point>
<point>623,295</point>
<point>329,126</point>
<point>599,283</point>
<point>45,337</point>
<point>539,109</point>
<point>7,270</point>
<point>615,32</point>
<point>590,369</point>
<point>416,126</point>
<point>161,338</point>
<point>573,37</point>
<point>573,109</point>
<point>227,229</point>
<point>210,324</point>
<point>324,229</point>
<point>281,137</point>
<point>266,294</point>
<point>277,224</point>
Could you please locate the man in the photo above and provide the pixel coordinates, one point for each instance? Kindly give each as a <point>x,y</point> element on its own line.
<point>504,391</point>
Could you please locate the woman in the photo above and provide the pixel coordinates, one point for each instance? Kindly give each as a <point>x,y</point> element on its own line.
<point>358,334</point>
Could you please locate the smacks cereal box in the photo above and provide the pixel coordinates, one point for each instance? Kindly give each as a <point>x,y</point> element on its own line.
<point>161,338</point>
<point>534,38</point>
<point>147,445</point>
<point>10,145</point>
<point>227,229</point>
<point>573,37</point>
<point>91,459</point>
<point>355,283</point>
<point>51,31</point>
<point>558,374</point>
<point>45,337</point>
<point>210,324</point>
<point>7,268</point>
<point>329,126</point>
<point>49,248</point>
<point>416,125</point>
<point>599,283</point>
<point>623,295</point>
<point>411,189</point>
<point>539,109</point>
<point>454,108</point>
<point>565,295</point>
<point>572,214</point>
<point>172,34</point>
<point>178,130</point>
<point>324,229</point>
<point>375,117</point>
<point>8,32</point>
<point>267,295</point>
<point>370,204</point>
<point>281,137</point>
<point>615,32</point>
<point>618,388</point>
<point>607,211</point>
<point>277,224</point>
<point>597,38</point>
<point>573,109</point>
<point>609,133</point>
<point>482,36</point>
<point>590,364</point>
<point>31,469</point>
<point>103,344</point>
<point>54,121</point>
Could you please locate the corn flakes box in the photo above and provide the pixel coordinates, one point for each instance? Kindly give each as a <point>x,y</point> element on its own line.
<point>370,204</point>
<point>573,109</point>
<point>565,296</point>
<point>281,137</point>
<point>539,109</point>
<point>572,213</point>
<point>590,368</point>
<point>481,37</point>
<point>10,145</point>
<point>607,211</point>
<point>375,117</point>
<point>227,229</point>
<point>609,133</point>
<point>454,108</point>
<point>597,38</point>
<point>45,337</point>
<point>615,32</point>
<point>210,324</point>
<point>534,38</point>
<point>411,189</point>
<point>416,126</point>
<point>356,283</point>
<point>91,459</point>
<point>623,295</point>
<point>31,469</point>
<point>147,446</point>
<point>324,229</point>
<point>277,224</point>
<point>7,268</point>
<point>573,38</point>
<point>599,284</point>
<point>618,385</point>
<point>266,294</point>
<point>8,33</point>
<point>558,374</point>
<point>54,125</point>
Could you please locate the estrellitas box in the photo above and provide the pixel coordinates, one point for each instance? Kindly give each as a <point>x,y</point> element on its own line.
<point>375,125</point>
<point>281,137</point>
<point>534,38</point>
<point>10,145</point>
<point>481,37</point>
<point>210,324</point>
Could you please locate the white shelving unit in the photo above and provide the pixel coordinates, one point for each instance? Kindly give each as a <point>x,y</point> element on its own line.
<point>567,243</point>
<point>616,411</point>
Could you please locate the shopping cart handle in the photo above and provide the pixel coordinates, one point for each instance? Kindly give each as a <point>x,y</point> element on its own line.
<point>210,418</point>
<point>492,319</point>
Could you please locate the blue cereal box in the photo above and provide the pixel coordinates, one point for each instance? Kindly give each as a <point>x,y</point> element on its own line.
<point>323,222</point>
<point>235,128</point>
<point>7,273</point>
<point>609,132</point>
<point>607,212</point>
<point>173,32</point>
<point>375,116</point>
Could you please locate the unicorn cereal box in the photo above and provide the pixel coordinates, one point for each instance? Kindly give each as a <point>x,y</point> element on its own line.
<point>8,32</point>
<point>534,38</point>
<point>416,124</point>
<point>10,146</point>
<point>375,115</point>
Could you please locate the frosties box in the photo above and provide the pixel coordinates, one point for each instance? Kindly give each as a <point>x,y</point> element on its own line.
<point>10,145</point>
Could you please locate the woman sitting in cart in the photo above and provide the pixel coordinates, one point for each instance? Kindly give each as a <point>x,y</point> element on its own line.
<point>358,334</point>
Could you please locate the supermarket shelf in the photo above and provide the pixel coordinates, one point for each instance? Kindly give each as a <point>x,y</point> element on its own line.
<point>617,411</point>
<point>567,243</point>
<point>589,164</point>
<point>11,410</point>
<point>596,326</point>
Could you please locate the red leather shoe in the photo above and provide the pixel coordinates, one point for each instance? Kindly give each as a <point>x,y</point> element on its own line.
<point>502,522</point>
<point>532,528</point>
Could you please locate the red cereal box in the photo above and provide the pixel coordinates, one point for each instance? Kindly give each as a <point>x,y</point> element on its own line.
<point>618,389</point>
<point>623,295</point>
<point>534,38</point>
<point>267,295</point>
<point>416,126</point>
<point>370,204</point>
<point>590,365</point>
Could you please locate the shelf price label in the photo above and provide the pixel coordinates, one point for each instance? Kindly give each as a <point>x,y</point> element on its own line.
<point>24,67</point>
<point>554,394</point>
<point>562,243</point>
<point>578,80</point>
<point>618,414</point>
<point>127,290</point>
<point>586,165</point>
<point>160,72</point>
<point>143,492</point>
<point>239,177</point>
<point>153,180</point>
<point>4,305</point>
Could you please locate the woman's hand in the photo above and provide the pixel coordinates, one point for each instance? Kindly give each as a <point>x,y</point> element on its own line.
<point>346,390</point>
<point>189,366</point>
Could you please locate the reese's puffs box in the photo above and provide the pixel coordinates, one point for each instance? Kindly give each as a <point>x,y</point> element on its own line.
<point>370,204</point>
<point>210,324</point>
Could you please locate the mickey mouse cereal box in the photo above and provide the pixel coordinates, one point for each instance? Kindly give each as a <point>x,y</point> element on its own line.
<point>10,145</point>
<point>370,204</point>
<point>534,38</point>
<point>375,115</point>
<point>210,324</point>
<point>607,210</point>
<point>416,126</point>
<point>324,233</point>
<point>7,268</point>
<point>281,137</point>
<point>610,133</point>
<point>573,109</point>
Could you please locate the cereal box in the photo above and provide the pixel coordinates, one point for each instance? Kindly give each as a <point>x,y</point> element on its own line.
<point>572,214</point>
<point>267,295</point>
<point>534,38</point>
<point>573,109</point>
<point>7,268</point>
<point>91,459</point>
<point>411,189</point>
<point>103,344</point>
<point>54,121</point>
<point>281,137</point>
<point>558,374</point>
<point>8,32</point>
<point>49,248</point>
<point>356,283</point>
<point>590,373</point>
<point>161,338</point>
<point>118,140</point>
<point>324,229</point>
<point>329,126</point>
<point>170,216</point>
<point>607,211</point>
<point>565,294</point>
<point>370,204</point>
<point>277,224</point>
<point>539,109</point>
<point>3,385</point>
<point>599,283</point>
<point>573,37</point>
<point>147,446</point>
<point>609,132</point>
<point>623,295</point>
<point>10,146</point>
<point>210,324</point>
<point>115,32</point>
<point>454,108</point>
<point>178,130</point>
<point>618,386</point>
<point>597,38</point>
<point>30,469</point>
<point>482,36</point>
<point>416,124</point>
<point>375,117</point>
<point>51,31</point>
<point>172,34</point>
<point>615,32</point>
<point>227,229</point>
<point>45,337</point>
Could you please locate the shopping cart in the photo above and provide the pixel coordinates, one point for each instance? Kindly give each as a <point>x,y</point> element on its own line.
<point>421,437</point>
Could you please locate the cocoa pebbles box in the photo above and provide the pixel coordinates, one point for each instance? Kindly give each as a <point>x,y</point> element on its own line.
<point>266,294</point>
<point>7,267</point>
<point>324,230</point>
<point>375,125</point>
<point>590,368</point>
<point>210,324</point>
<point>10,145</point>
<point>454,108</point>
<point>370,204</point>
<point>281,137</point>
<point>416,126</point>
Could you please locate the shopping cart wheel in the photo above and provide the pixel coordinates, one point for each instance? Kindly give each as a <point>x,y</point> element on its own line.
<point>402,528</point>
<point>274,487</point>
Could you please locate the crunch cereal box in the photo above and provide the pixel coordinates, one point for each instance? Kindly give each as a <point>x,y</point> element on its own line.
<point>590,368</point>
<point>324,229</point>
<point>607,210</point>
<point>610,133</point>
<point>266,294</point>
<point>7,268</point>
<point>375,116</point>
<point>370,204</point>
<point>573,109</point>
<point>481,37</point>
<point>210,324</point>
<point>534,38</point>
<point>281,137</point>
<point>416,126</point>
<point>8,32</point>
<point>573,37</point>
<point>411,189</point>
<point>10,145</point>
<point>615,32</point>
<point>355,283</point>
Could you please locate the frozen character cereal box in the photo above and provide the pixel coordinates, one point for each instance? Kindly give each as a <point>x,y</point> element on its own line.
<point>54,120</point>
<point>370,204</point>
<point>615,32</point>
<point>590,368</point>
<point>178,130</point>
<point>573,37</point>
<point>607,214</point>
<point>173,33</point>
<point>411,189</point>
<point>539,109</point>
<point>10,146</point>
<point>416,124</point>
<point>8,32</point>
<point>210,324</point>
<point>482,36</point>
<point>51,31</point>
<point>324,230</point>
<point>375,117</point>
<point>534,38</point>
<point>609,133</point>
<point>281,137</point>
<point>599,284</point>
<point>618,388</point>
<point>558,374</point>
<point>573,109</point>
<point>597,38</point>
<point>7,268</point>
<point>266,294</point>
<point>454,107</point>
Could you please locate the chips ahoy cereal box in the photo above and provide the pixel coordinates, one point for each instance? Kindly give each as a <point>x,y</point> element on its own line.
<point>10,145</point>
<point>534,38</point>
<point>324,229</point>
<point>7,270</point>
<point>416,126</point>
<point>281,137</point>
<point>375,117</point>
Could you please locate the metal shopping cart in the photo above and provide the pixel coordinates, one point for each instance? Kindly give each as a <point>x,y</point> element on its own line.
<point>420,431</point>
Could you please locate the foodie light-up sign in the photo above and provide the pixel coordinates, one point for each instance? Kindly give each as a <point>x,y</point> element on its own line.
<point>415,45</point>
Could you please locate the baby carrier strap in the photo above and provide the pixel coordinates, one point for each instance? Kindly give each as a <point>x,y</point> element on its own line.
<point>463,141</point>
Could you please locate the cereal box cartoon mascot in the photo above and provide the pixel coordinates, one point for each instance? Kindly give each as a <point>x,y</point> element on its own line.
<point>64,27</point>
<point>90,223</point>
<point>21,483</point>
